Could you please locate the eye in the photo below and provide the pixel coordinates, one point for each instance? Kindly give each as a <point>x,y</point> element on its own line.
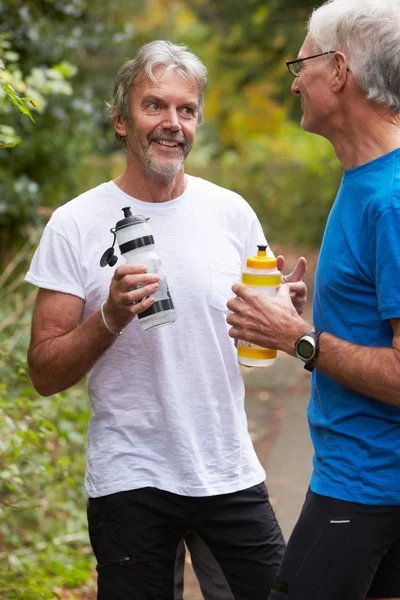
<point>297,67</point>
<point>188,111</point>
<point>153,106</point>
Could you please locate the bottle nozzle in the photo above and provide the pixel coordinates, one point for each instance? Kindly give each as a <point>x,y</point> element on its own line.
<point>262,250</point>
<point>127,212</point>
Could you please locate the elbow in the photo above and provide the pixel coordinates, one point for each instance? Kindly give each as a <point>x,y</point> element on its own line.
<point>47,383</point>
<point>39,376</point>
<point>42,386</point>
<point>41,379</point>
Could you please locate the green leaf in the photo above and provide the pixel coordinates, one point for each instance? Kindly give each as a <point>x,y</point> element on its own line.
<point>15,99</point>
<point>31,100</point>
<point>8,139</point>
<point>9,144</point>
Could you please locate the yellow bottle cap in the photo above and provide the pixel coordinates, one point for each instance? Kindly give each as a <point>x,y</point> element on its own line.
<point>261,260</point>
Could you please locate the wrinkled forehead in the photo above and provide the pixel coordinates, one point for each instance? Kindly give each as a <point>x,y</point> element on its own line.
<point>162,75</point>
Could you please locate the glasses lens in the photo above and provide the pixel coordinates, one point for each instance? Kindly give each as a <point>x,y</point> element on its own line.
<point>296,68</point>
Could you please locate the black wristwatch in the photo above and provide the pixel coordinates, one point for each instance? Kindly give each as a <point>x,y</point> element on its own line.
<point>307,348</point>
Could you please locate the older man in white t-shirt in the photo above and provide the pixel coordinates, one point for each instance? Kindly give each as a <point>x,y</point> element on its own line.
<point>169,455</point>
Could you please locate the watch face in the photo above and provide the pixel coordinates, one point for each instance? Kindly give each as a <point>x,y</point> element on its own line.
<point>305,349</point>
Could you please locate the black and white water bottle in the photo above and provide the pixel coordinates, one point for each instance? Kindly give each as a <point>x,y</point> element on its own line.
<point>136,243</point>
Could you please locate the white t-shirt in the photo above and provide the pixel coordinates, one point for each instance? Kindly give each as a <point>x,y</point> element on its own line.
<point>167,405</point>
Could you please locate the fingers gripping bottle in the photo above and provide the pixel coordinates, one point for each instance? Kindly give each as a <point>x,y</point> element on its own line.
<point>136,243</point>
<point>260,273</point>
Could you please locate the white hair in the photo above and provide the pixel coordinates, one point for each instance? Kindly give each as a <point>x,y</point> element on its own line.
<point>150,56</point>
<point>368,33</point>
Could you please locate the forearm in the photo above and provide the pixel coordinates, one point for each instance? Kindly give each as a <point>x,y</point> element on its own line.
<point>274,323</point>
<point>60,361</point>
<point>374,372</point>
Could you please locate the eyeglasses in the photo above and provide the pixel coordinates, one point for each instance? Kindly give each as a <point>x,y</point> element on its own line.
<point>295,66</point>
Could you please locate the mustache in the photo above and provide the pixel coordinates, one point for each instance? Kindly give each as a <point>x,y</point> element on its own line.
<point>178,138</point>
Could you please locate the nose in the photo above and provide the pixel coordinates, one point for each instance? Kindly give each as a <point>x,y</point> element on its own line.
<point>171,120</point>
<point>295,87</point>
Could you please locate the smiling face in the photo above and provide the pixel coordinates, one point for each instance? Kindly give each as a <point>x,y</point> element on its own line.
<point>163,121</point>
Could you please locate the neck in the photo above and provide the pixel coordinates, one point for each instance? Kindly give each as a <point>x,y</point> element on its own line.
<point>364,134</point>
<point>151,187</point>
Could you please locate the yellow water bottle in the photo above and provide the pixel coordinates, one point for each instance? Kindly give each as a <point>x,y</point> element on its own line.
<point>260,273</point>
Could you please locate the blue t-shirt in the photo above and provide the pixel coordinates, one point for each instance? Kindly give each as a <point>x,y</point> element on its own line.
<point>357,290</point>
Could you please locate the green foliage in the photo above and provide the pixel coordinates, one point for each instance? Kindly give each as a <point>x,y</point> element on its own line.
<point>21,183</point>
<point>39,82</point>
<point>44,548</point>
<point>251,128</point>
<point>49,164</point>
<point>41,469</point>
<point>8,139</point>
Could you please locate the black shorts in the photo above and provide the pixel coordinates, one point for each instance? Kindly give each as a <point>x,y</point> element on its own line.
<point>341,550</point>
<point>138,538</point>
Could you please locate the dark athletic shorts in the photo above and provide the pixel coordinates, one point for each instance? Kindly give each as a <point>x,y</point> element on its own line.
<point>341,551</point>
<point>138,538</point>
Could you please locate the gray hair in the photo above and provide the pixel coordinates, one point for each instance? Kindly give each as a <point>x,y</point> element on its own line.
<point>150,56</point>
<point>368,33</point>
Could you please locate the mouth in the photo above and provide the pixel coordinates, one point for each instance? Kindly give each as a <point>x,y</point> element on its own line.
<point>168,143</point>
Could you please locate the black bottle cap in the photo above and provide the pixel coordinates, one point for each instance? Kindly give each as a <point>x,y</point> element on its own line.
<point>130,219</point>
<point>108,258</point>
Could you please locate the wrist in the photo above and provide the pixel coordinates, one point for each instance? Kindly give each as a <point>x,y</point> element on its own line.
<point>107,322</point>
<point>293,333</point>
<point>307,348</point>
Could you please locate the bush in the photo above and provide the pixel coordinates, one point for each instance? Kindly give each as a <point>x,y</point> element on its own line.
<point>44,546</point>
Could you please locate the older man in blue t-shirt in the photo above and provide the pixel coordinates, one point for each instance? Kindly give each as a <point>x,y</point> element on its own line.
<point>346,543</point>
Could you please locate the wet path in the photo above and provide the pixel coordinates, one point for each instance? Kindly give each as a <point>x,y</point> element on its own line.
<point>283,446</point>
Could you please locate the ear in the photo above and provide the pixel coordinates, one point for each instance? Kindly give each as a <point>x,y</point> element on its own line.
<point>119,125</point>
<point>340,71</point>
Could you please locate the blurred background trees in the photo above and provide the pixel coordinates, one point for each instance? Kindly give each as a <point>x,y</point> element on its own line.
<point>63,55</point>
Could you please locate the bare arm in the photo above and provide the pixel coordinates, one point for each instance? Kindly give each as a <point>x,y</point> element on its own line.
<point>63,350</point>
<point>374,372</point>
<point>274,323</point>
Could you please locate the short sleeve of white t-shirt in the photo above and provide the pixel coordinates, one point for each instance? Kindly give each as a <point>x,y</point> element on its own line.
<point>60,267</point>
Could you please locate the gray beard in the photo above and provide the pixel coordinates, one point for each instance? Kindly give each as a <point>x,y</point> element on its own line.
<point>169,169</point>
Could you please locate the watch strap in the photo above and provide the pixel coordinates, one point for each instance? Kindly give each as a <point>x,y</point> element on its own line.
<point>315,332</point>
